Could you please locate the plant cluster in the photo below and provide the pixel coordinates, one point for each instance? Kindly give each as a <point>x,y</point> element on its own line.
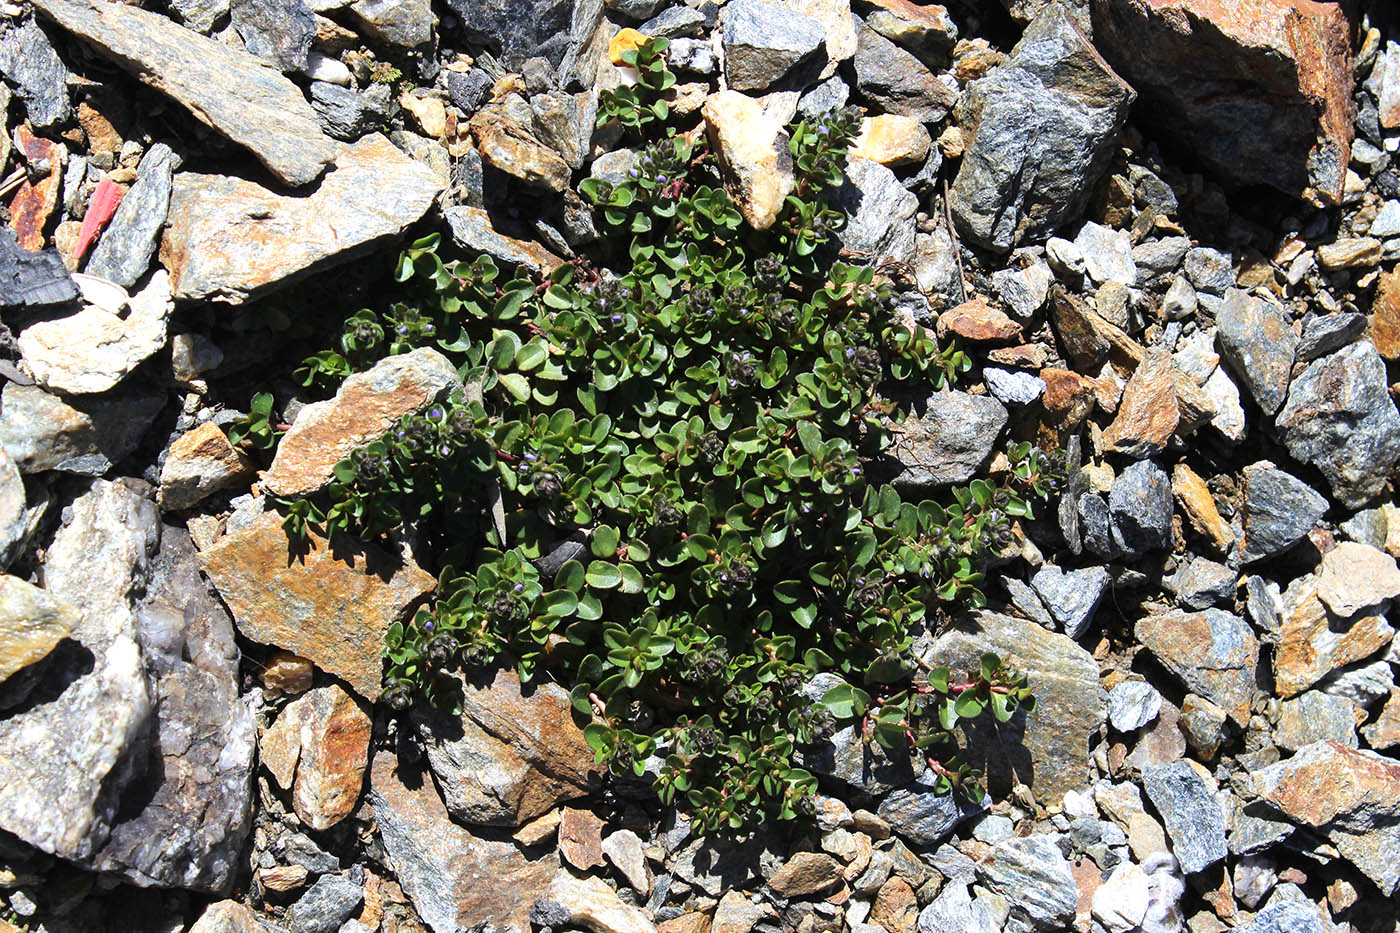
<point>680,451</point>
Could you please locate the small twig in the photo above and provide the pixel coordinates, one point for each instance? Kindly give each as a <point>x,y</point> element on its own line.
<point>957,247</point>
<point>14,181</point>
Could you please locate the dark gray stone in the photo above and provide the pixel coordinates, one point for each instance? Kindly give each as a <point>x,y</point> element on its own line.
<point>1140,507</point>
<point>124,253</point>
<point>32,280</point>
<point>1096,525</point>
<point>184,823</point>
<point>518,31</point>
<point>1189,814</point>
<point>870,768</point>
<point>765,41</point>
<point>1340,418</point>
<point>327,904</point>
<point>85,435</point>
<point>299,849</point>
<point>898,82</point>
<point>1280,916</point>
<point>402,24</point>
<point>1327,333</point>
<point>922,815</point>
<point>564,122</point>
<point>1024,598</point>
<point>948,441</point>
<point>1071,596</point>
<point>29,62</point>
<point>681,20</point>
<point>635,9</point>
<point>469,91</point>
<point>1210,270</point>
<point>1039,131</point>
<point>880,212</point>
<point>1279,510</point>
<point>1159,257</point>
<point>1034,877</point>
<point>347,114</point>
<point>1258,343</point>
<point>277,31</point>
<point>1202,583</point>
<point>200,15</point>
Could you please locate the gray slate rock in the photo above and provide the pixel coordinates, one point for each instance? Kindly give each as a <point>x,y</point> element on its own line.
<point>1209,270</point>
<point>28,60</point>
<point>1071,596</point>
<point>897,81</point>
<point>1327,333</point>
<point>765,41</point>
<point>200,15</point>
<point>922,815</point>
<point>1024,598</point>
<point>1279,510</point>
<point>185,821</point>
<point>552,29</point>
<point>86,435</point>
<point>1034,877</point>
<point>1340,418</point>
<point>880,212</point>
<point>1212,652</point>
<point>948,441</point>
<point>1140,508</point>
<point>1189,813</point>
<point>124,252</point>
<point>231,90</point>
<point>954,909</point>
<point>681,20</point>
<point>1012,387</point>
<point>469,91</point>
<point>1040,130</point>
<point>1258,343</point>
<point>67,760</point>
<point>564,122</point>
<point>277,31</point>
<point>1096,525</point>
<point>402,24</point>
<point>1133,704</point>
<point>1201,583</point>
<point>472,230</point>
<point>347,114</point>
<point>831,94</point>
<point>327,904</point>
<point>1314,716</point>
<point>15,515</point>
<point>1281,916</point>
<point>32,280</point>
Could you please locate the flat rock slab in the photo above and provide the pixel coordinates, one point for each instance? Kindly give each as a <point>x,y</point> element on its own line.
<point>1048,751</point>
<point>949,440</point>
<point>1214,653</point>
<point>331,603</point>
<point>42,431</point>
<point>456,880</point>
<point>1186,802</point>
<point>1261,92</point>
<point>1313,642</point>
<point>1351,796</point>
<point>366,406</point>
<point>229,239</point>
<point>225,87</point>
<point>32,623</point>
<point>318,749</point>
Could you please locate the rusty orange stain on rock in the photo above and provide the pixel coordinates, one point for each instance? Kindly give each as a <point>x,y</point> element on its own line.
<point>34,202</point>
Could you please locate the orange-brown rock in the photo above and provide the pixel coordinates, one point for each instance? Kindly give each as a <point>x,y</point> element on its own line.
<point>1385,315</point>
<point>1148,413</point>
<point>1384,733</point>
<point>231,917</point>
<point>1260,91</point>
<point>365,407</point>
<point>318,748</point>
<point>331,602</point>
<point>199,463</point>
<point>581,838</point>
<point>806,874</point>
<point>693,922</point>
<point>891,139</point>
<point>34,201</point>
<point>1214,653</point>
<point>286,674</point>
<point>102,136</point>
<point>896,908</point>
<point>1068,397</point>
<point>1313,642</point>
<point>1199,505</point>
<point>978,322</point>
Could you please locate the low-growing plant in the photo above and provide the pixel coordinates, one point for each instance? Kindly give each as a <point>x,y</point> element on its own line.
<point>257,429</point>
<point>655,491</point>
<point>645,101</point>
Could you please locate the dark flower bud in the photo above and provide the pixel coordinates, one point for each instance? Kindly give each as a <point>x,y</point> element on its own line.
<point>546,484</point>
<point>398,696</point>
<point>440,649</point>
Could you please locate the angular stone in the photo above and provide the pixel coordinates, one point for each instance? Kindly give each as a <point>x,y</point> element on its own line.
<point>1049,751</point>
<point>363,410</point>
<point>625,851</point>
<point>472,230</point>
<point>552,29</point>
<point>232,917</point>
<point>897,81</point>
<point>590,903</point>
<point>1012,388</point>
<point>806,875</point>
<point>124,252</point>
<point>1161,743</point>
<point>1108,253</point>
<point>1314,716</point>
<point>1202,583</point>
<point>565,123</point>
<point>30,279</point>
<point>949,441</point>
<point>581,838</point>
<point>1341,419</point>
<point>88,435</point>
<point>230,90</point>
<point>1192,818</point>
<point>1122,803</point>
<point>230,239</point>
<point>1385,311</point>
<point>326,905</point>
<point>954,909</point>
<point>891,139</point>
<point>347,114</point>
<point>331,602</point>
<point>896,908</point>
<point>510,145</point>
<point>322,738</point>
<point>1148,414</point>
<point>978,322</point>
<point>1213,653</point>
<point>1203,724</point>
<point>1350,796</point>
<point>1313,642</point>
<point>1328,333</point>
<point>1354,577</point>
<point>1035,878</point>
<point>280,32</point>
<point>455,880</point>
<point>403,24</point>
<point>185,821</point>
<point>764,41</point>
<point>1279,510</point>
<point>18,519</point>
<point>96,348</point>
<point>32,623</point>
<point>1262,94</point>
<point>925,30</point>
<point>28,59</point>
<point>1133,704</point>
<point>1140,509</point>
<point>511,756</point>
<point>1258,343</point>
<point>1072,597</point>
<point>752,150</point>
<point>34,202</point>
<point>880,213</point>
<point>1384,733</point>
<point>198,464</point>
<point>1040,130</point>
<point>1349,253</point>
<point>922,815</point>
<point>67,760</point>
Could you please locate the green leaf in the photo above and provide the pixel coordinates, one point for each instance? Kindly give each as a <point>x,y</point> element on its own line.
<point>604,541</point>
<point>845,701</point>
<point>517,385</point>
<point>603,575</point>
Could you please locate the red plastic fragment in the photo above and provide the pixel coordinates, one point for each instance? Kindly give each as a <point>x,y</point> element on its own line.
<point>100,210</point>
